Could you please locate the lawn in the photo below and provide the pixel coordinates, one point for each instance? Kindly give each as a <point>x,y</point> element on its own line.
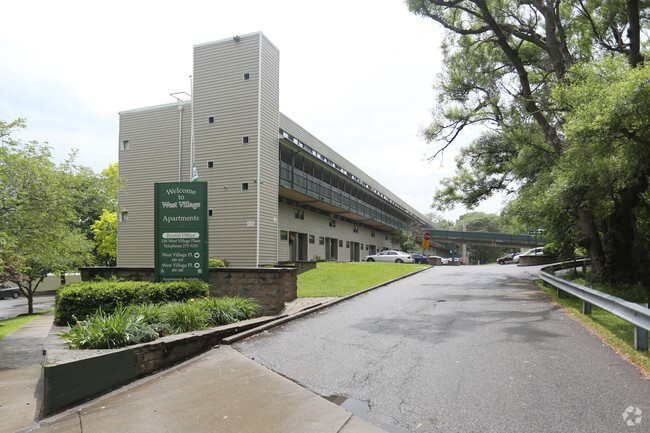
<point>9,325</point>
<point>341,279</point>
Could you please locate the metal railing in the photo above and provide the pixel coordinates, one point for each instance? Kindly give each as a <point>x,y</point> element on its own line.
<point>637,315</point>
<point>304,183</point>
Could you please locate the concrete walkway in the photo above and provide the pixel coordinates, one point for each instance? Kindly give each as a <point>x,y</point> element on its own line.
<point>220,390</point>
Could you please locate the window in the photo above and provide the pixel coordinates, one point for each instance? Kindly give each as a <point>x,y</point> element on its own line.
<point>244,186</point>
<point>210,164</point>
<point>211,119</point>
<point>311,239</point>
<point>209,212</point>
<point>372,233</point>
<point>284,235</point>
<point>321,240</point>
<point>355,229</point>
<point>332,222</point>
<point>299,214</point>
<point>124,216</point>
<point>244,139</point>
<point>347,244</point>
<point>361,246</point>
<point>124,145</point>
<point>247,76</point>
<point>341,243</point>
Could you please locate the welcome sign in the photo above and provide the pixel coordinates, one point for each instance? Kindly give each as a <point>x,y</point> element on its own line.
<point>181,231</point>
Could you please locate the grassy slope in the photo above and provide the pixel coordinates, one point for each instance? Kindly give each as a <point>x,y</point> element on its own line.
<point>341,279</point>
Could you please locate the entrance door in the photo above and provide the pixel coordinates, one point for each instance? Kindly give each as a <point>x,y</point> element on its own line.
<point>302,246</point>
<point>355,252</point>
<point>331,249</point>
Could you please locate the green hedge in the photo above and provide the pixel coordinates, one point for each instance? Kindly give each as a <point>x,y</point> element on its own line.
<point>76,301</point>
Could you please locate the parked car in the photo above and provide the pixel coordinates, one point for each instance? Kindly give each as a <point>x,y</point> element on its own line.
<point>445,260</point>
<point>420,258</point>
<point>539,251</point>
<point>9,291</point>
<point>391,256</point>
<point>508,258</point>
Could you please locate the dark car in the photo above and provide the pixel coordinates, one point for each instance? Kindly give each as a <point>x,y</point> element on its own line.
<point>420,259</point>
<point>506,259</point>
<point>9,291</point>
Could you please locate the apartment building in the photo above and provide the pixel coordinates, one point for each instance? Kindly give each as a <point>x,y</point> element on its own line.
<point>276,192</point>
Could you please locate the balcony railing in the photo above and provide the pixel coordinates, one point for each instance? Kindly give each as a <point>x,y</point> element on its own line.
<point>307,184</point>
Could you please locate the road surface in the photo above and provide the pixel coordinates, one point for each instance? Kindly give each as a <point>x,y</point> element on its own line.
<point>460,349</point>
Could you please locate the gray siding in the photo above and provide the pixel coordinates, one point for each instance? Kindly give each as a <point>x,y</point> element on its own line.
<point>153,136</point>
<point>318,225</point>
<point>240,108</point>
<point>269,168</point>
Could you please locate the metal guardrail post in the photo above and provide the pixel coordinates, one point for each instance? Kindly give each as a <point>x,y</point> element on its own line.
<point>636,314</point>
<point>641,336</point>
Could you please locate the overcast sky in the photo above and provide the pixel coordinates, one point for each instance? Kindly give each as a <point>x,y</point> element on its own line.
<point>357,74</point>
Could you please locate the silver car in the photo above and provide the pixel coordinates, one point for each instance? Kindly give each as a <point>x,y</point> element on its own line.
<point>390,256</point>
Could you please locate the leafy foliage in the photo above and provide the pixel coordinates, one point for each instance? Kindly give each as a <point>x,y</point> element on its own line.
<point>46,210</point>
<point>558,91</point>
<point>105,238</point>
<point>76,301</point>
<point>184,316</point>
<point>138,323</point>
<point>104,330</point>
<point>222,311</point>
<point>406,241</point>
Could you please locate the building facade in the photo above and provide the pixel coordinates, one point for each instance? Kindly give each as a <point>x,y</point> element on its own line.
<point>276,192</point>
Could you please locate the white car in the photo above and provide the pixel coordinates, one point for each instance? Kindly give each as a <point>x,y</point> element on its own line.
<point>390,256</point>
<point>539,251</point>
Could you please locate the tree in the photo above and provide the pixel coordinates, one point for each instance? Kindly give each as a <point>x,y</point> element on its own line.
<point>439,221</point>
<point>406,241</point>
<point>105,238</point>
<point>530,73</point>
<point>37,212</point>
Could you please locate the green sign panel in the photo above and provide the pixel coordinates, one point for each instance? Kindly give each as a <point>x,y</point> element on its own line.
<point>181,231</point>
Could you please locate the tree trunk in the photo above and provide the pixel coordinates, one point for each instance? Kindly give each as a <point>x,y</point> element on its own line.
<point>30,298</point>
<point>626,254</point>
<point>589,238</point>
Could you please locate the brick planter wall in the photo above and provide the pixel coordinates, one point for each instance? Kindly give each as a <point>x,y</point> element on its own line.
<point>269,286</point>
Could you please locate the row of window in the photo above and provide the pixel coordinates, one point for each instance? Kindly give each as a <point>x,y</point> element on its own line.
<point>284,235</point>
<point>300,214</point>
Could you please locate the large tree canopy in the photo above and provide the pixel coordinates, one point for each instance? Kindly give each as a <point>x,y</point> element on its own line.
<point>560,89</point>
<point>46,211</point>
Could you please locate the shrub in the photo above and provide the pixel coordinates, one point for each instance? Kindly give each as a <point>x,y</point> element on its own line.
<point>103,330</point>
<point>183,316</point>
<point>221,262</point>
<point>80,300</point>
<point>222,311</point>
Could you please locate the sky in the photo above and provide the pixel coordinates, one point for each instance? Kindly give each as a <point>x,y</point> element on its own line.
<point>358,74</point>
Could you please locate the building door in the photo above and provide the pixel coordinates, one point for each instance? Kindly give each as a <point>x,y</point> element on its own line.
<point>331,249</point>
<point>302,246</point>
<point>355,252</point>
<point>293,246</point>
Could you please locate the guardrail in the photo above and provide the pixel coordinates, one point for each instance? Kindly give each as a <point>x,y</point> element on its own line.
<point>637,315</point>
